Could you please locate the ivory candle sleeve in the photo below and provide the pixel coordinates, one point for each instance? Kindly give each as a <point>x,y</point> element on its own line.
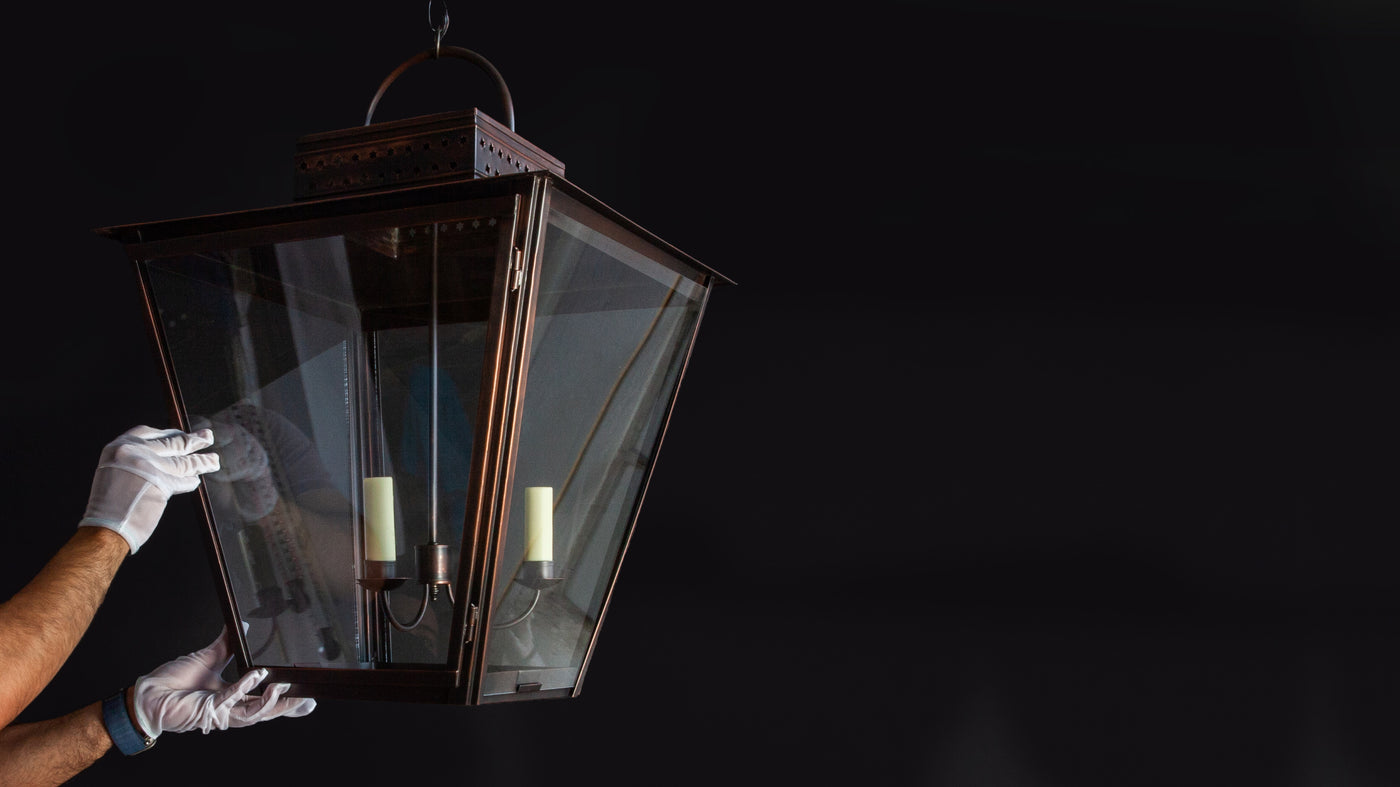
<point>539,523</point>
<point>379,519</point>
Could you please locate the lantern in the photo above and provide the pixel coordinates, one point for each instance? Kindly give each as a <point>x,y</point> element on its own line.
<point>438,381</point>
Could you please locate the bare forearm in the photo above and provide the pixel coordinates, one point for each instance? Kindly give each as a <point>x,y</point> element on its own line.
<point>42,624</point>
<point>53,751</point>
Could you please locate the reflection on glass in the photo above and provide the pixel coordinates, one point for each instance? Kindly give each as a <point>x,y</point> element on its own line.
<point>614,318</point>
<point>311,359</point>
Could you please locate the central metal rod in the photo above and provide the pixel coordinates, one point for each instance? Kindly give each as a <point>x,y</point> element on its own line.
<point>433,412</point>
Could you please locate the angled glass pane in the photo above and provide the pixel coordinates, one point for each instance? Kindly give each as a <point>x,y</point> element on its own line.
<point>613,324</point>
<point>313,361</point>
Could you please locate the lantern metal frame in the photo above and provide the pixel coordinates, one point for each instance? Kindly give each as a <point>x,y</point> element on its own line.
<point>358,191</point>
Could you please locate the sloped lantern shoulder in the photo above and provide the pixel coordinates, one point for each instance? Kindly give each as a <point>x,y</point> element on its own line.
<point>175,235</point>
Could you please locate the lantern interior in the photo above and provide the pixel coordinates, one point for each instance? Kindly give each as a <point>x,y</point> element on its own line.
<point>437,411</point>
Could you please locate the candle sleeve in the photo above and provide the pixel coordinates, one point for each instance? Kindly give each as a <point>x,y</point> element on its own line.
<point>539,523</point>
<point>379,519</point>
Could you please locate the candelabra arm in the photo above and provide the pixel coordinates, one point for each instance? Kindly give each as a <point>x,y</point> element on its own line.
<point>422,610</point>
<point>534,603</point>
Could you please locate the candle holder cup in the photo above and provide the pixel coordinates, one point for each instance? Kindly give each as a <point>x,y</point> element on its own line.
<point>378,576</point>
<point>539,574</point>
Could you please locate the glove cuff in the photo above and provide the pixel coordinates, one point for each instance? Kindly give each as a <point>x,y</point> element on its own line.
<point>124,502</point>
<point>128,739</point>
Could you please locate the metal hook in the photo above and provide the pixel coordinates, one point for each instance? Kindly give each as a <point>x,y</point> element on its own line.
<point>439,28</point>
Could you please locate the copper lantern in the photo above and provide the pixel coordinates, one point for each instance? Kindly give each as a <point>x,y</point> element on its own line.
<point>439,380</point>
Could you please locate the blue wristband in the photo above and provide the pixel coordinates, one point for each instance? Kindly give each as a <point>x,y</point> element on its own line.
<point>125,735</point>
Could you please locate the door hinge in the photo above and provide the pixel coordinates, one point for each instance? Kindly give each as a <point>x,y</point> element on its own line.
<point>517,268</point>
<point>473,614</point>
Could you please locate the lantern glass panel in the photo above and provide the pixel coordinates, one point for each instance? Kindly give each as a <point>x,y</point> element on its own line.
<point>313,360</point>
<point>613,322</point>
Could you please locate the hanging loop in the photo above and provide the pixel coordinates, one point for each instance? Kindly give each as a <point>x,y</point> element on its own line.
<point>438,23</point>
<point>451,51</point>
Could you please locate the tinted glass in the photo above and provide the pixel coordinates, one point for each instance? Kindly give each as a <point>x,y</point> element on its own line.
<point>613,323</point>
<point>313,361</point>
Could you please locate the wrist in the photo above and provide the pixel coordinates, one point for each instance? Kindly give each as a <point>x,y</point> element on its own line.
<point>119,717</point>
<point>105,539</point>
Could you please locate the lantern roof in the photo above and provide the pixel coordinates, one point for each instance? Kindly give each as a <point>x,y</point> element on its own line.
<point>169,235</point>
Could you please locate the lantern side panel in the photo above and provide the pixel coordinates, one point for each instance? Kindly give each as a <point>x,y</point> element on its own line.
<point>262,341</point>
<point>340,375</point>
<point>613,321</point>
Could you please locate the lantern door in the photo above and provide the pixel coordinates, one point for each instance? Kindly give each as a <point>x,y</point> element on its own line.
<point>613,314</point>
<point>340,355</point>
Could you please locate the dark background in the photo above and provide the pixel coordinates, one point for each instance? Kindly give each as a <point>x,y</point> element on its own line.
<point>1048,438</point>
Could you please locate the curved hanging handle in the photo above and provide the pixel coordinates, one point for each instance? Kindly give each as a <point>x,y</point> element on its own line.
<point>452,51</point>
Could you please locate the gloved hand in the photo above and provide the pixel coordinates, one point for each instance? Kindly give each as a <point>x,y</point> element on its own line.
<point>138,473</point>
<point>188,693</point>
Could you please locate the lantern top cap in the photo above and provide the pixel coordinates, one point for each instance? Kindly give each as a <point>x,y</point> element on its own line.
<point>447,146</point>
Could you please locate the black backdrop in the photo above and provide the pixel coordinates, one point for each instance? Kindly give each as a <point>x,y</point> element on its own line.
<point>1048,438</point>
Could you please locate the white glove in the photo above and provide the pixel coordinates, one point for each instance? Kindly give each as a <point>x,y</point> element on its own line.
<point>138,473</point>
<point>188,693</point>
